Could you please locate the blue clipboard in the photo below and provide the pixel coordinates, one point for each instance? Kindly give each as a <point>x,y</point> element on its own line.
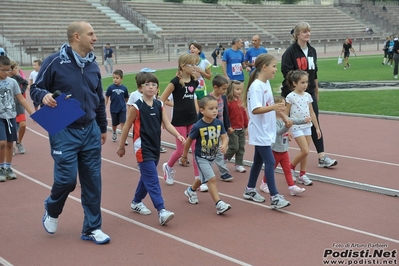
<point>54,119</point>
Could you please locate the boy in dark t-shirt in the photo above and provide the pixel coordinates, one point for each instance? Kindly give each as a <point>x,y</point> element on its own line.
<point>207,132</point>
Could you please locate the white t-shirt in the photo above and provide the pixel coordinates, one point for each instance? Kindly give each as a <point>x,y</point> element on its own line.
<point>33,76</point>
<point>299,107</point>
<point>134,96</point>
<point>261,127</point>
<point>204,65</point>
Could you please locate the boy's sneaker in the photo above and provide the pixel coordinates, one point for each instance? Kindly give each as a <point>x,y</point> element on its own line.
<point>191,195</point>
<point>126,143</point>
<point>295,190</point>
<point>97,236</point>
<point>327,162</point>
<point>303,179</point>
<point>163,150</point>
<point>140,208</point>
<point>279,202</point>
<point>253,195</point>
<point>10,174</point>
<point>50,224</point>
<point>187,162</point>
<point>222,207</point>
<point>226,177</point>
<point>20,148</point>
<point>165,216</point>
<point>114,136</point>
<point>240,169</point>
<point>168,174</point>
<point>293,175</point>
<point>3,176</point>
<point>264,188</point>
<point>203,188</point>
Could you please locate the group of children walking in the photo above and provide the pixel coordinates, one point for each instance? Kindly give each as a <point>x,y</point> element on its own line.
<point>215,127</point>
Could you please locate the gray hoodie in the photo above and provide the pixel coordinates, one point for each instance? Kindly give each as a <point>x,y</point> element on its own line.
<point>281,144</point>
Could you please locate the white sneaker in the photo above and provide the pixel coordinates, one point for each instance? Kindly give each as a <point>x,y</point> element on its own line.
<point>140,208</point>
<point>327,162</point>
<point>97,236</point>
<point>165,216</point>
<point>50,224</point>
<point>222,207</point>
<point>303,179</point>
<point>203,188</point>
<point>253,195</point>
<point>295,190</point>
<point>168,174</point>
<point>264,188</point>
<point>279,202</point>
<point>21,148</point>
<point>126,143</point>
<point>114,136</point>
<point>240,169</point>
<point>191,195</point>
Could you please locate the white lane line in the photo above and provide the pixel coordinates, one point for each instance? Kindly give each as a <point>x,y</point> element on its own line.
<point>3,262</point>
<point>117,215</point>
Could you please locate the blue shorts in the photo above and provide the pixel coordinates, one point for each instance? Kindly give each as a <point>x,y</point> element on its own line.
<point>118,118</point>
<point>8,130</point>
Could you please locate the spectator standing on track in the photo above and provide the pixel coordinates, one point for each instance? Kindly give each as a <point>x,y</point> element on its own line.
<point>207,132</point>
<point>233,61</point>
<point>280,151</point>
<point>108,59</point>
<point>301,55</point>
<point>146,115</point>
<point>185,109</point>
<point>118,95</point>
<point>203,70</point>
<point>346,49</point>
<point>32,78</point>
<point>239,123</point>
<point>220,84</point>
<point>262,128</point>
<point>253,52</point>
<point>20,118</point>
<point>77,148</point>
<point>9,91</point>
<point>299,106</point>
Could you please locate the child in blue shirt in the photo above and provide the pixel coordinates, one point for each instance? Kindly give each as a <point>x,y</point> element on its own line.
<point>118,95</point>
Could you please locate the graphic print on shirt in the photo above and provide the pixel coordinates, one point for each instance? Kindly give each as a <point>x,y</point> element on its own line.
<point>7,103</point>
<point>305,63</point>
<point>189,94</point>
<point>209,141</point>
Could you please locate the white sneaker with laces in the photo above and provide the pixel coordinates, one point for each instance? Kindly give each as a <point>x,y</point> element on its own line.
<point>303,179</point>
<point>20,148</point>
<point>97,236</point>
<point>240,169</point>
<point>253,195</point>
<point>114,136</point>
<point>279,202</point>
<point>50,224</point>
<point>264,188</point>
<point>295,190</point>
<point>168,174</point>
<point>191,195</point>
<point>327,162</point>
<point>140,208</point>
<point>165,216</point>
<point>222,207</point>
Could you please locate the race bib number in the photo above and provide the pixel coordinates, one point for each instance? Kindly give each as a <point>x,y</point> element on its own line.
<point>236,69</point>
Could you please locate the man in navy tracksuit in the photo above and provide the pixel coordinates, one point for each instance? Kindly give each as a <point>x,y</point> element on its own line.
<point>74,71</point>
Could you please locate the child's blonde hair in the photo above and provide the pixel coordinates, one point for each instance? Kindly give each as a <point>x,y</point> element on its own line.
<point>230,90</point>
<point>13,65</point>
<point>299,27</point>
<point>278,99</point>
<point>186,59</point>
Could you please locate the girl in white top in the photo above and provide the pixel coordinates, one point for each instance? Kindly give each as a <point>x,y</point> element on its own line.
<point>203,70</point>
<point>299,106</point>
<point>258,99</point>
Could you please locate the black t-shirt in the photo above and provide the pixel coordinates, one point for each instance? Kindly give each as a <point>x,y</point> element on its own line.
<point>184,113</point>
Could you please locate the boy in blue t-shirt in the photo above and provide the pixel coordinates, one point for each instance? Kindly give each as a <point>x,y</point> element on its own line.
<point>207,132</point>
<point>118,95</point>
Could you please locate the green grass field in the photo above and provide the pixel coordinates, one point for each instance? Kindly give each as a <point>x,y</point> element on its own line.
<point>363,68</point>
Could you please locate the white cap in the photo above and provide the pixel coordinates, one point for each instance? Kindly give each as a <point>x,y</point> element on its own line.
<point>146,69</point>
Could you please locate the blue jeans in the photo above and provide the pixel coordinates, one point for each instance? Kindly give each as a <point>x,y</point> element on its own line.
<point>263,155</point>
<point>76,150</point>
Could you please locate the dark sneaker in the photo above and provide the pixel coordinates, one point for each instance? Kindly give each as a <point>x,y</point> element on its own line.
<point>97,236</point>
<point>226,177</point>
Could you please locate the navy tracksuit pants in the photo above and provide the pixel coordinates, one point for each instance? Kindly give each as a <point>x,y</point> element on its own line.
<point>73,150</point>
